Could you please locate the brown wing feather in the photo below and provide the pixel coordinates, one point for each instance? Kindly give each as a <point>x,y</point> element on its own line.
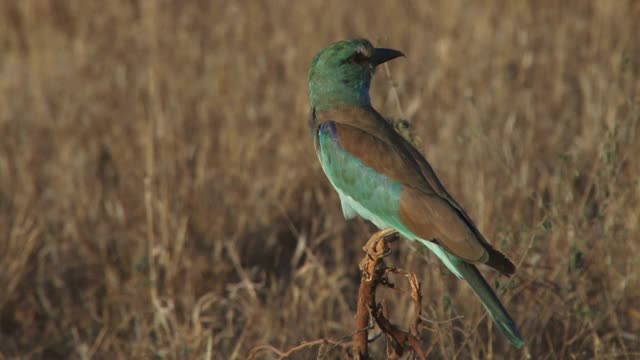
<point>430,216</point>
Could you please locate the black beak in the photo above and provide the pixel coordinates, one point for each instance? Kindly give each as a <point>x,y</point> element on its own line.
<point>382,55</point>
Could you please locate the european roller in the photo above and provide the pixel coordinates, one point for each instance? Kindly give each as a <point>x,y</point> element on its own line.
<point>384,179</point>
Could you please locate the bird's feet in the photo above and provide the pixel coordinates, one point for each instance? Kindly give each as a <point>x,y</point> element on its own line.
<point>376,248</point>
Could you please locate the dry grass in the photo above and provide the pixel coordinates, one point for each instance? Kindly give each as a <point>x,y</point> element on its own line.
<point>160,198</point>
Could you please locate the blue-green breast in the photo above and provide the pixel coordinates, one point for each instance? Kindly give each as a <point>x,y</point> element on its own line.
<point>369,193</point>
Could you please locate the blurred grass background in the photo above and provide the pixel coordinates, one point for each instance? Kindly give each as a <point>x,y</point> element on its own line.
<point>160,196</point>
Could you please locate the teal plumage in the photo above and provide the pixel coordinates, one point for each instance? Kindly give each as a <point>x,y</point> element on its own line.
<point>381,177</point>
<point>376,193</point>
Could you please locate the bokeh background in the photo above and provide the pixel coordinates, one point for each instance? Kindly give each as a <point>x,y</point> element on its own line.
<point>160,196</point>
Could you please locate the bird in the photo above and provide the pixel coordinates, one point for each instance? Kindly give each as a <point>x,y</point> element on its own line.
<point>383,178</point>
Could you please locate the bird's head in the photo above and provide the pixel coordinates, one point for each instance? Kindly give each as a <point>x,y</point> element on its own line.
<point>341,73</point>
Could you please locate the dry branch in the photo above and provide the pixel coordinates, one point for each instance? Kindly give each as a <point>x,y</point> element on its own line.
<point>376,248</point>
<point>374,273</point>
<point>284,354</point>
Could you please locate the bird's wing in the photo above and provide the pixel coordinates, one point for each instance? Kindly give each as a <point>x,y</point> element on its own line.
<point>425,208</point>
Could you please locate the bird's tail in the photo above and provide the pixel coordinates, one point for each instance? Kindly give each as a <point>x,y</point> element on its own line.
<point>491,302</point>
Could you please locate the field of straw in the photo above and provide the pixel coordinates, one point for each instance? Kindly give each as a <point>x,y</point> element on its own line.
<point>160,197</point>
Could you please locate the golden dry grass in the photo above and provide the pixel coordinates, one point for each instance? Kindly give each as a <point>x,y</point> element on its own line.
<point>160,197</point>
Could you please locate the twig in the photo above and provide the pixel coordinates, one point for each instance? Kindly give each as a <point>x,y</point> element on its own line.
<point>373,274</point>
<point>401,340</point>
<point>284,354</point>
<point>376,248</point>
<point>394,90</point>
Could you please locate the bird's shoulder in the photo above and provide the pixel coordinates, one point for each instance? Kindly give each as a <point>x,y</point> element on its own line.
<point>365,134</point>
<point>360,117</point>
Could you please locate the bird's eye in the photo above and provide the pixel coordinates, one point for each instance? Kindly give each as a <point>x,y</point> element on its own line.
<point>358,58</point>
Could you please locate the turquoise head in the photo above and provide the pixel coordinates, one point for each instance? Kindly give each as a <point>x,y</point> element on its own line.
<point>340,74</point>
